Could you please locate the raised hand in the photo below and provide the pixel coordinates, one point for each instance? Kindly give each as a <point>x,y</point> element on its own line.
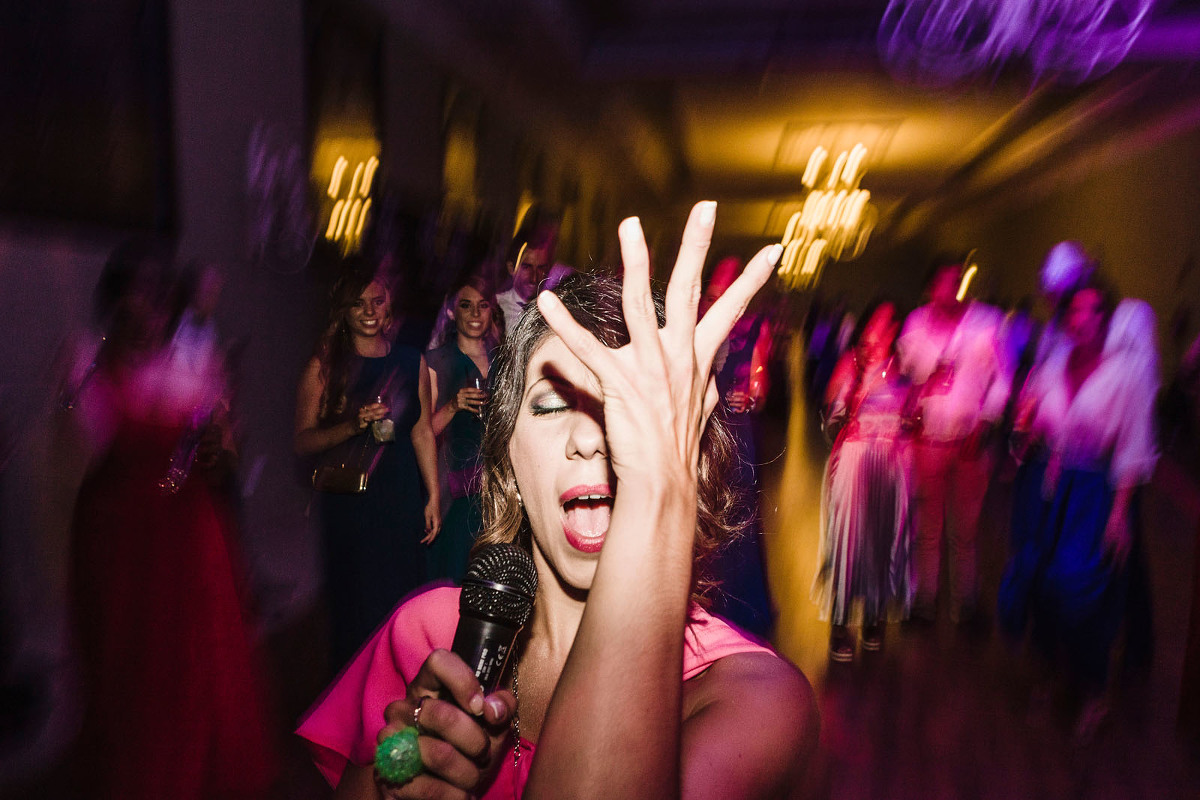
<point>657,393</point>
<point>657,390</point>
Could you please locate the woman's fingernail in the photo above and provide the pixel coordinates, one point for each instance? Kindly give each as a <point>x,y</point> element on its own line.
<point>476,703</point>
<point>774,253</point>
<point>497,707</point>
<point>708,212</point>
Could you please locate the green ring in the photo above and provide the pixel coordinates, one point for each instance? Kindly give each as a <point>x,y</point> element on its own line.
<point>398,759</point>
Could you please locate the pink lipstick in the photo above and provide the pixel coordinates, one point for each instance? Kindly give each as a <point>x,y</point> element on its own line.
<point>587,510</point>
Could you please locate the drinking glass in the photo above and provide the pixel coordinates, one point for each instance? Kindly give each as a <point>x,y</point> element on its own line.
<point>480,385</point>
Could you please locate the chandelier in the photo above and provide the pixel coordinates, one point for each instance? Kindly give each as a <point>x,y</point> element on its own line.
<point>835,220</point>
<point>946,42</point>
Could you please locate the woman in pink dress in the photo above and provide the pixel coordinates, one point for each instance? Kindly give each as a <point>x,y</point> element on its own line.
<point>601,458</point>
<point>863,568</point>
<point>174,703</point>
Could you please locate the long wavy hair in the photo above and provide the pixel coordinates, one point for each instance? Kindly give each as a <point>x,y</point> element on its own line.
<point>335,349</point>
<point>445,330</point>
<point>595,303</point>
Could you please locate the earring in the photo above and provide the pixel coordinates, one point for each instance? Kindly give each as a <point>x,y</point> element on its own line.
<point>520,502</point>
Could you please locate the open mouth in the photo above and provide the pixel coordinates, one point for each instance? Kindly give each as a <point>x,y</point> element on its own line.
<point>587,511</point>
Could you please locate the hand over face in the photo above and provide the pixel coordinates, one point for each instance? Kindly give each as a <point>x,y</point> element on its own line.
<point>657,391</point>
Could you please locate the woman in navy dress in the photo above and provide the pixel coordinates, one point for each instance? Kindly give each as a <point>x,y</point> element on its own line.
<point>364,402</point>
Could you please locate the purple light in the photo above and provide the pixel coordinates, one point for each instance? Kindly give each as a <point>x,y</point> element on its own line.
<point>945,42</point>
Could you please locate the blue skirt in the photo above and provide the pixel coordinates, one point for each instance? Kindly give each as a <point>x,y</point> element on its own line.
<point>1058,577</point>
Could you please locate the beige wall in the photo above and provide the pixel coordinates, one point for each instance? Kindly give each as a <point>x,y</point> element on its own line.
<point>1137,215</point>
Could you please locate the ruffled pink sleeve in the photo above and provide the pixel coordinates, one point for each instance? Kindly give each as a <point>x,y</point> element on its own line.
<point>342,727</point>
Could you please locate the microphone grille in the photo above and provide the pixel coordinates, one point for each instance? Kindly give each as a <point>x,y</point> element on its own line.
<point>500,584</point>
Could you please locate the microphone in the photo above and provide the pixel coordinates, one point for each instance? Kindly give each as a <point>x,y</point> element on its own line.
<point>496,602</point>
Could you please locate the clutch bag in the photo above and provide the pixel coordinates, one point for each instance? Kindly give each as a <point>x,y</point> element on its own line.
<point>340,479</point>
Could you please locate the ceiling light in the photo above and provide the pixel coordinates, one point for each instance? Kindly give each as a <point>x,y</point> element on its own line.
<point>834,222</point>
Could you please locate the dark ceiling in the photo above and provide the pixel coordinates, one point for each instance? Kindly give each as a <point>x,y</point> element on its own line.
<point>725,98</point>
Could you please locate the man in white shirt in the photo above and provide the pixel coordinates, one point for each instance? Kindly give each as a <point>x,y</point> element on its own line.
<point>949,350</point>
<point>528,261</point>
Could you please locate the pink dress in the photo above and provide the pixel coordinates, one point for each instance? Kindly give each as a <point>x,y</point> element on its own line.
<point>176,700</point>
<point>343,726</point>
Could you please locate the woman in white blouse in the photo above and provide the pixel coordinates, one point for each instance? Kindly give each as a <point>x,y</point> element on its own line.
<point>1089,410</point>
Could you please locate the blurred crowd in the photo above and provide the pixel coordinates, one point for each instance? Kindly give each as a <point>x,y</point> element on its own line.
<point>921,411</point>
<point>924,411</point>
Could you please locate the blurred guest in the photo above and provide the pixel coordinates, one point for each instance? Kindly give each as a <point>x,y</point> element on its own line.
<point>174,705</point>
<point>558,273</point>
<point>364,405</point>
<point>948,349</point>
<point>1067,267</point>
<point>195,344</point>
<point>529,257</point>
<point>829,328</point>
<point>863,565</point>
<point>741,372</point>
<point>1091,410</point>
<point>459,360</point>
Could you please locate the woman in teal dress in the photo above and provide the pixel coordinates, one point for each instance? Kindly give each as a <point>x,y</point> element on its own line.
<point>458,361</point>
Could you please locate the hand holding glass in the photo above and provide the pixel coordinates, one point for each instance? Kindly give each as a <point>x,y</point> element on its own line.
<point>384,430</point>
<point>471,397</point>
<point>481,387</point>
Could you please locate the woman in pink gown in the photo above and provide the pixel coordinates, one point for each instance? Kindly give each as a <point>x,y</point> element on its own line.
<point>174,704</point>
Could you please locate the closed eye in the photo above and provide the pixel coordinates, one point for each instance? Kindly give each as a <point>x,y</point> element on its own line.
<point>549,402</point>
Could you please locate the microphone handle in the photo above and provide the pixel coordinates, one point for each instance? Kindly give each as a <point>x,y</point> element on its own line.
<point>485,646</point>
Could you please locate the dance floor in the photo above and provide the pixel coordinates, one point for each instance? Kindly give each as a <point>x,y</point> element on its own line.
<point>947,714</point>
<point>937,714</point>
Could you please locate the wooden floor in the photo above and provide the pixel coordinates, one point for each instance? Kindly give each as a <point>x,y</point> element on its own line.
<point>942,713</point>
<point>938,713</point>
